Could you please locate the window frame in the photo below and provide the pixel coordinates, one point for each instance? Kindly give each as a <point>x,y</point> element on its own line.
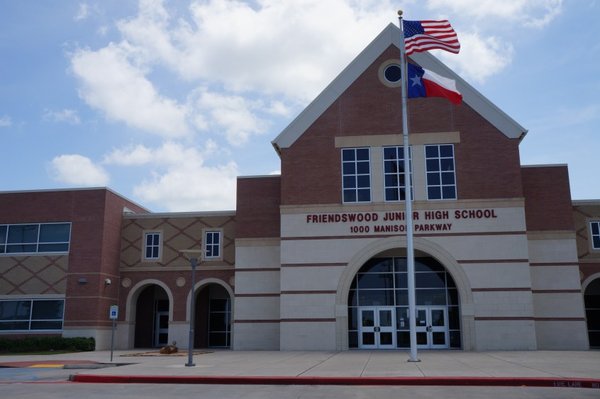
<point>440,173</point>
<point>31,320</point>
<point>594,236</point>
<point>37,245</point>
<point>153,246</point>
<point>359,188</point>
<point>210,247</point>
<point>399,150</point>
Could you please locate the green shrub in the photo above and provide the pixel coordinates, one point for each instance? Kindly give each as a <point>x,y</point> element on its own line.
<point>43,344</point>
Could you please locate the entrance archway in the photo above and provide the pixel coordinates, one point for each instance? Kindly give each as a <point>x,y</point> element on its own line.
<point>212,327</point>
<point>591,299</point>
<point>378,305</point>
<point>395,247</point>
<point>151,318</point>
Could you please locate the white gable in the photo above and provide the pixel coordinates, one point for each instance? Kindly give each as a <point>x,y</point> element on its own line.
<point>391,36</point>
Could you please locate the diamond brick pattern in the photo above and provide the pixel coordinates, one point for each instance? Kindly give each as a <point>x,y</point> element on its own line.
<point>33,275</point>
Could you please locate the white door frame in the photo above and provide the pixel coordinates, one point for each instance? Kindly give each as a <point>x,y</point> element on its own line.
<point>426,326</point>
<point>376,328</point>
<point>157,330</point>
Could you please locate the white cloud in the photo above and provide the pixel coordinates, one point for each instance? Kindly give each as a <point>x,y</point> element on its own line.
<point>5,121</point>
<point>181,178</point>
<point>111,83</point>
<point>130,156</point>
<point>532,13</point>
<point>480,57</point>
<point>66,115</point>
<point>76,169</point>
<point>192,185</point>
<point>83,11</point>
<point>290,48</point>
<point>235,115</point>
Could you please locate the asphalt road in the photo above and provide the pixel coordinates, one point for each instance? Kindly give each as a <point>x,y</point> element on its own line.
<point>68,390</point>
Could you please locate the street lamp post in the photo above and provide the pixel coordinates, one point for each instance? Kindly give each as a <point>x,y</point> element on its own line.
<point>190,363</point>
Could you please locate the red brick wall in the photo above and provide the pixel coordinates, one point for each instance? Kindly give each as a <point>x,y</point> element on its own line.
<point>257,209</point>
<point>548,204</point>
<point>487,161</point>
<point>95,215</point>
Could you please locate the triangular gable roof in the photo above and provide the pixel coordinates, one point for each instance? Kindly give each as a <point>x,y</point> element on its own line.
<point>391,36</point>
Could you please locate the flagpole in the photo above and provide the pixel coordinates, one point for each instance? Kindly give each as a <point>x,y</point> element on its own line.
<point>410,256</point>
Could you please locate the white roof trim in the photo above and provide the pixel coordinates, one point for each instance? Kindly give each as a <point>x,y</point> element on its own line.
<point>391,36</point>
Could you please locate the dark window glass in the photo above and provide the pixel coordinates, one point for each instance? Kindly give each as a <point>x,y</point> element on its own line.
<point>356,178</point>
<point>447,178</point>
<point>433,165</point>
<point>392,73</point>
<point>433,178</point>
<point>362,154</point>
<point>449,192</point>
<point>352,319</point>
<point>349,196</point>
<point>353,339</point>
<point>446,151</point>
<point>431,151</point>
<point>447,164</point>
<point>55,232</point>
<point>364,195</point>
<point>349,168</point>
<point>15,310</point>
<point>431,296</point>
<point>441,178</point>
<point>47,309</point>
<point>31,315</point>
<point>430,280</point>
<point>20,234</point>
<point>372,280</point>
<point>434,193</point>
<point>401,280</point>
<point>53,248</point>
<point>595,227</point>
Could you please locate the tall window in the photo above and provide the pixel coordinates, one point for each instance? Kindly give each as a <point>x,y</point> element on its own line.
<point>356,175</point>
<point>31,314</point>
<point>441,178</point>
<point>393,173</point>
<point>595,229</point>
<point>212,244</point>
<point>34,238</point>
<point>152,245</point>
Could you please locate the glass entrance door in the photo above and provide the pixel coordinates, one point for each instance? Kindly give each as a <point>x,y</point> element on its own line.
<point>432,327</point>
<point>377,327</point>
<point>161,329</point>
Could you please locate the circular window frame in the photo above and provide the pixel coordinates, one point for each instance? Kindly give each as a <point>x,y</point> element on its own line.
<point>381,73</point>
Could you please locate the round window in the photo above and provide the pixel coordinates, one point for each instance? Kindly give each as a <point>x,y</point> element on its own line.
<point>392,73</point>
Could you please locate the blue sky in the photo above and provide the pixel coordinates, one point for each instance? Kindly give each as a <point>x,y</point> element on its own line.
<point>167,102</point>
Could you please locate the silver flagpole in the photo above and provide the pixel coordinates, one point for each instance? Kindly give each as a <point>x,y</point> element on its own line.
<point>410,255</point>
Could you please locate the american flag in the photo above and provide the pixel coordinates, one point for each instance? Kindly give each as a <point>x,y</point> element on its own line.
<point>428,35</point>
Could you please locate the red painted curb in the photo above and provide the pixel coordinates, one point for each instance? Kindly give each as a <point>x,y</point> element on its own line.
<point>399,381</point>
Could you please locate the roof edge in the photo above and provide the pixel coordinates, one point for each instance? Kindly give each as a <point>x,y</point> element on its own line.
<point>391,36</point>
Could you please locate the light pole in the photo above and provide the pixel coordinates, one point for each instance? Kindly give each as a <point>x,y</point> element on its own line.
<point>190,363</point>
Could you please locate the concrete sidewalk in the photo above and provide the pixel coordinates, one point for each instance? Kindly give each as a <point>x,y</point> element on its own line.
<point>533,368</point>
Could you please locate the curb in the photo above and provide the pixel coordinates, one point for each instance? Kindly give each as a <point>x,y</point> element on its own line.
<point>387,381</point>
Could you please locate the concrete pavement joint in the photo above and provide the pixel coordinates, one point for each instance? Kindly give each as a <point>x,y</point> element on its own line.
<point>366,365</point>
<point>524,366</point>
<point>318,364</point>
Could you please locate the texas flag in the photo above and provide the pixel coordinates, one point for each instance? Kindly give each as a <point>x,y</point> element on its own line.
<point>424,83</point>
